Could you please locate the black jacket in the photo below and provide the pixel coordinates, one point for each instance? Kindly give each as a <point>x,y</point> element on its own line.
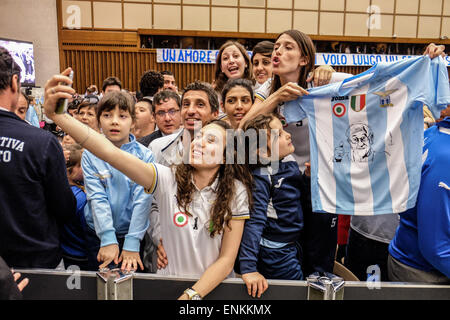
<point>8,287</point>
<point>149,138</point>
<point>35,197</point>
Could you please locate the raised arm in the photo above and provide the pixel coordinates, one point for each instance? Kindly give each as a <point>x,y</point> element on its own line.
<point>290,91</point>
<point>137,170</point>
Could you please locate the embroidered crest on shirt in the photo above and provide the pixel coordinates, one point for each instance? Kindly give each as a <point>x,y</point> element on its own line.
<point>358,102</point>
<point>180,219</point>
<point>385,98</point>
<point>339,109</point>
<point>103,175</point>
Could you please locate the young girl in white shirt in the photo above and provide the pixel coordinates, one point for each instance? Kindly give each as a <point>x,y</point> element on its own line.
<point>220,222</point>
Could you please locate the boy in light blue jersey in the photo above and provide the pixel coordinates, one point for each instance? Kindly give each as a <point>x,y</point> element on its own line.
<point>365,158</point>
<point>117,209</point>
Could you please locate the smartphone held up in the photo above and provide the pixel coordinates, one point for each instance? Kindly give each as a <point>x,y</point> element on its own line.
<point>61,106</point>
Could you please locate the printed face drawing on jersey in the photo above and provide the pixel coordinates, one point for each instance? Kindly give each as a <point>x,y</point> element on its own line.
<point>360,141</point>
<point>360,138</point>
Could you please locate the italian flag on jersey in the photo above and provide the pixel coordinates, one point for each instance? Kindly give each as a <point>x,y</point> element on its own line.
<point>358,102</point>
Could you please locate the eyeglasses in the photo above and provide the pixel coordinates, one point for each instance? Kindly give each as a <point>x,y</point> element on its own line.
<point>171,113</point>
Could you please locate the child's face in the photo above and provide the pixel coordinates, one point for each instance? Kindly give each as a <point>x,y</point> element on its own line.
<point>237,103</point>
<point>283,141</point>
<point>116,125</point>
<point>22,107</point>
<point>77,173</point>
<point>68,140</point>
<point>144,116</point>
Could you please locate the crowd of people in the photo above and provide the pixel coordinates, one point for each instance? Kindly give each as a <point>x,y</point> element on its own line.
<point>175,183</point>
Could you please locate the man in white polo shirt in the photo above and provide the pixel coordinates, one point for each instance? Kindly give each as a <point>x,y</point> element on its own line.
<point>199,104</point>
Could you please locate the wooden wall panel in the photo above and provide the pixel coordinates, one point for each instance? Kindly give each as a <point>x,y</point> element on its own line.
<point>92,65</point>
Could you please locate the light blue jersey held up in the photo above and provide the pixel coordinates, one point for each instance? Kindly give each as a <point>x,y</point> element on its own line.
<point>366,135</point>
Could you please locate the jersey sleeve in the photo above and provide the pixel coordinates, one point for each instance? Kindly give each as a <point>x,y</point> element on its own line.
<point>293,110</point>
<point>263,92</point>
<point>239,207</point>
<point>441,86</point>
<point>431,87</point>
<point>254,227</point>
<point>163,176</point>
<point>152,188</point>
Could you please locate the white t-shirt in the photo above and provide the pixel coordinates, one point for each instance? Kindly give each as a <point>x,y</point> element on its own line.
<point>189,247</point>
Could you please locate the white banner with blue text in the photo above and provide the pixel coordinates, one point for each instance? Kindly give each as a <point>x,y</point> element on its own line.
<point>333,59</point>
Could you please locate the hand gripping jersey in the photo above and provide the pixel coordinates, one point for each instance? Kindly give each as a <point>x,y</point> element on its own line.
<point>366,135</point>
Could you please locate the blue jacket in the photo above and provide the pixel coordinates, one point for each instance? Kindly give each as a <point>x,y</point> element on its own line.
<point>35,197</point>
<point>422,240</point>
<point>276,218</point>
<point>73,238</point>
<point>117,206</point>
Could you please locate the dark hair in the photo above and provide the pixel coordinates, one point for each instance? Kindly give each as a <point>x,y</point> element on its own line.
<point>221,209</point>
<point>90,101</point>
<point>85,104</point>
<point>116,98</point>
<point>93,88</point>
<point>164,96</point>
<point>27,98</point>
<point>76,152</point>
<point>247,84</point>
<point>220,77</point>
<point>145,99</point>
<point>111,81</point>
<point>75,155</point>
<point>307,50</point>
<point>260,122</point>
<point>166,73</point>
<point>151,81</point>
<point>264,48</point>
<point>75,103</point>
<point>8,68</point>
<point>208,89</point>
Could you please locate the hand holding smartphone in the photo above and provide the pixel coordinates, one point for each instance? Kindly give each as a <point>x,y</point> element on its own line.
<point>61,106</point>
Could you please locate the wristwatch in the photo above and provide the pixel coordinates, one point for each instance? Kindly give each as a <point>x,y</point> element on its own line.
<point>192,294</point>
